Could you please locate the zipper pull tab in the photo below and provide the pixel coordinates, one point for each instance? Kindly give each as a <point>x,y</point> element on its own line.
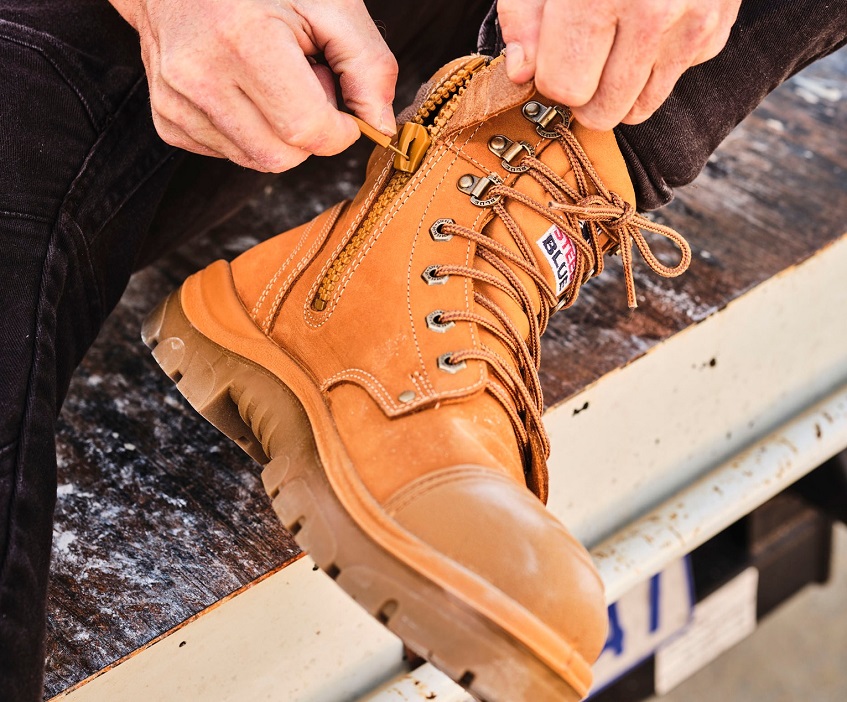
<point>413,143</point>
<point>376,136</point>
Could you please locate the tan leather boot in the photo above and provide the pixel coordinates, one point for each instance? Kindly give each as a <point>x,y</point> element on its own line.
<point>381,361</point>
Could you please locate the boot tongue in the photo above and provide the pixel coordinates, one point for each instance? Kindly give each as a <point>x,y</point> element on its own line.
<point>489,94</point>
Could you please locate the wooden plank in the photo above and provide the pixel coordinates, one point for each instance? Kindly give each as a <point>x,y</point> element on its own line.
<point>158,517</point>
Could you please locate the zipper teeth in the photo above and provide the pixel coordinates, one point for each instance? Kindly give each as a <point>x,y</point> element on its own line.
<point>444,96</point>
<point>447,91</point>
<point>335,271</point>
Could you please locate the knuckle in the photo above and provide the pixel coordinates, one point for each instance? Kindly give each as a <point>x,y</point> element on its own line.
<point>171,71</point>
<point>386,63</point>
<point>709,20</point>
<point>187,78</point>
<point>168,134</point>
<point>270,161</point>
<point>380,64</point>
<point>233,31</point>
<point>717,41</point>
<point>709,31</point>
<point>659,14</point>
<point>163,108</point>
<point>254,165</point>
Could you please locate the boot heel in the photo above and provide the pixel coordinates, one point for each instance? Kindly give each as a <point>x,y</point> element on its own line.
<point>203,374</point>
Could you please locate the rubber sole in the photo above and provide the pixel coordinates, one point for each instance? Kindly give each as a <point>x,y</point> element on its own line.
<point>259,410</point>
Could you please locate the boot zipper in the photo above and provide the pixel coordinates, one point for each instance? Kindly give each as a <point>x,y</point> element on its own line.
<point>414,141</point>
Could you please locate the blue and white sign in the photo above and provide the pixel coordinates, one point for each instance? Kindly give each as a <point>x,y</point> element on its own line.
<point>645,617</point>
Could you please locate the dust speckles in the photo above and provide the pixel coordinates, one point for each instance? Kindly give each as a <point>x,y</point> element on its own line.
<point>62,541</point>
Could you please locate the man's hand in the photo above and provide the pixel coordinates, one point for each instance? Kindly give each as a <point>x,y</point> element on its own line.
<point>233,78</point>
<point>611,61</point>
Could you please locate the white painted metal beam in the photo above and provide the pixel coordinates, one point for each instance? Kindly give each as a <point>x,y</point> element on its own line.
<point>696,514</point>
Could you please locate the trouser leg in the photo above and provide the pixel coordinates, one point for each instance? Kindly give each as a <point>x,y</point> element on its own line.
<point>84,177</point>
<point>32,272</point>
<point>771,41</point>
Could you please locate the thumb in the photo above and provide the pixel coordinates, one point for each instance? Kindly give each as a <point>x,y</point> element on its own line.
<point>520,22</point>
<point>367,70</point>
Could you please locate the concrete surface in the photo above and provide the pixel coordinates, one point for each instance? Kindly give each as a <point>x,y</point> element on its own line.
<point>798,653</point>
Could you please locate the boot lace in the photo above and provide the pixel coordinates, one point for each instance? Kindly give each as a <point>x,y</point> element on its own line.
<point>588,214</point>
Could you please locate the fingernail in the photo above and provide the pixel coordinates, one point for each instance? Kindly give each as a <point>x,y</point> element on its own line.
<point>515,58</point>
<point>387,121</point>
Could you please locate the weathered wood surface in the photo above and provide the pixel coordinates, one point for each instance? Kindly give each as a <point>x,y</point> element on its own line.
<point>158,517</point>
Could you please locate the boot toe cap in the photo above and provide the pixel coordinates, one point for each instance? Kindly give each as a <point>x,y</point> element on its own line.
<point>498,530</point>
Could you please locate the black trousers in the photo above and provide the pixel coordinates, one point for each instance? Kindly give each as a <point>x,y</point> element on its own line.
<point>89,193</point>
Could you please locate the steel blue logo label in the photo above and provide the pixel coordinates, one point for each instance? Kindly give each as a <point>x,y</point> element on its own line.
<point>560,254</point>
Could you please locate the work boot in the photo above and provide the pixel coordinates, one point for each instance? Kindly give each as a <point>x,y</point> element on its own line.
<point>381,362</point>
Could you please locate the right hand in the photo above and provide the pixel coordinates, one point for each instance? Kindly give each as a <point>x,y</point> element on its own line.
<point>611,61</point>
<point>232,78</point>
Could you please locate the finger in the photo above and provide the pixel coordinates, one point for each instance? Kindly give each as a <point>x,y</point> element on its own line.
<point>173,134</point>
<point>626,72</point>
<point>275,75</point>
<point>252,133</point>
<point>722,19</point>
<point>165,119</point>
<point>676,57</point>
<point>357,53</point>
<point>696,38</point>
<point>181,124</point>
<point>238,131</point>
<point>327,80</point>
<point>168,130</point>
<point>660,85</point>
<point>520,22</point>
<point>573,47</point>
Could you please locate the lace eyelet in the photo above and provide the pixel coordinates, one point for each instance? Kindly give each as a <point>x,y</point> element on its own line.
<point>431,277</point>
<point>543,116</point>
<point>508,151</point>
<point>446,364</point>
<point>434,323</point>
<point>563,301</point>
<point>477,187</point>
<point>437,234</point>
